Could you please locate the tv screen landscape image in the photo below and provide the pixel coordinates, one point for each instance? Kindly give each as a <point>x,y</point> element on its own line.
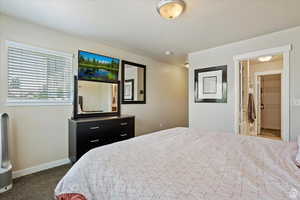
<point>94,67</point>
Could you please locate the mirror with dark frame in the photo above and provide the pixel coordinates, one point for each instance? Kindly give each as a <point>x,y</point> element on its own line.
<point>96,99</point>
<point>133,83</point>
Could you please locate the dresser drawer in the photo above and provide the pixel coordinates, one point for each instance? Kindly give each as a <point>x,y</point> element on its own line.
<point>93,134</point>
<point>92,138</point>
<point>96,143</point>
<point>126,129</point>
<point>126,124</point>
<point>123,135</point>
<point>85,135</point>
<point>91,127</point>
<point>86,145</point>
<point>100,127</point>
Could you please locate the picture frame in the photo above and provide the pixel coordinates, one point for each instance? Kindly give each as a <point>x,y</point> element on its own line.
<point>211,85</point>
<point>129,89</point>
<point>97,67</point>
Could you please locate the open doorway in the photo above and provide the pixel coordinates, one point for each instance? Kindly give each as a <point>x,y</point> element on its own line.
<point>268,122</point>
<point>260,79</point>
<point>262,88</point>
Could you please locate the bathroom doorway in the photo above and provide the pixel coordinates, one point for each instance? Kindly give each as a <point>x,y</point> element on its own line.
<point>261,84</point>
<point>244,59</point>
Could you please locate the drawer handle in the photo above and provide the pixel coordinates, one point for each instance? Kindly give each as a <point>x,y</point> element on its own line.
<point>95,141</point>
<point>123,135</point>
<point>124,124</point>
<point>94,128</point>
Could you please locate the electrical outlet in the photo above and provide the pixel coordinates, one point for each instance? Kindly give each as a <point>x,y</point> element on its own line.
<point>160,125</point>
<point>296,102</point>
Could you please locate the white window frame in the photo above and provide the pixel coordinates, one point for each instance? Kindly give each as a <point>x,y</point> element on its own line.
<point>34,102</point>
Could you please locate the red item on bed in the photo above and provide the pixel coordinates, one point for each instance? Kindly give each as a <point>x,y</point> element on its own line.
<point>71,197</point>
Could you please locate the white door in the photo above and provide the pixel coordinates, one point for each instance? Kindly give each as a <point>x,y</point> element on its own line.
<point>258,105</point>
<point>241,99</point>
<point>243,123</point>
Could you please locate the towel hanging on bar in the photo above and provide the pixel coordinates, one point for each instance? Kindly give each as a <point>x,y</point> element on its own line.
<point>251,109</point>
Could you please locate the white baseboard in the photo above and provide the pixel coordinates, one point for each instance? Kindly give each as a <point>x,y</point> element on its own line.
<point>41,167</point>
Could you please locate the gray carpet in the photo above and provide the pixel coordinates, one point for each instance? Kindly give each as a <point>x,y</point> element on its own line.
<point>38,186</point>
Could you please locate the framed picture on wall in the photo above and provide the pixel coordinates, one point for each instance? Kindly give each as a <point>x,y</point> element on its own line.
<point>211,85</point>
<point>129,89</point>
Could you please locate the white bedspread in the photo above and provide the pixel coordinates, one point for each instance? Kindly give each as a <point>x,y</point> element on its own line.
<point>187,164</point>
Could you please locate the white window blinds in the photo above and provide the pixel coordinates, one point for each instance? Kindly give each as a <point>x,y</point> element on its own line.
<point>38,76</point>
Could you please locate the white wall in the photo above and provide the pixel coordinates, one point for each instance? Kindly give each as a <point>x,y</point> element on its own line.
<point>40,133</point>
<point>220,117</point>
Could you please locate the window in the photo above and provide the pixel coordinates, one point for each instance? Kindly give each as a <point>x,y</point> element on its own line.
<point>38,76</point>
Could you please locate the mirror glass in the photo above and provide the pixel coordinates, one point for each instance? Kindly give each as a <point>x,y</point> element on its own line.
<point>97,97</point>
<point>133,83</point>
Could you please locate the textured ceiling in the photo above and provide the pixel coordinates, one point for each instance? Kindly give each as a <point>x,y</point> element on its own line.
<point>135,25</point>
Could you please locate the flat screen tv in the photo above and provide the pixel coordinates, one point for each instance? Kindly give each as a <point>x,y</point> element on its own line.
<point>94,67</point>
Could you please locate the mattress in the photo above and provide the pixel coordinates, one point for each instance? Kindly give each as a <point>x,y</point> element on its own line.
<point>186,164</point>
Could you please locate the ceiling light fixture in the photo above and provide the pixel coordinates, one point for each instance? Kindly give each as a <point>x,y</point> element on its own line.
<point>168,53</point>
<point>265,58</point>
<point>170,9</point>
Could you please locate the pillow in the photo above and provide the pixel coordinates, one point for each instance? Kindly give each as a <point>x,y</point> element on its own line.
<point>298,153</point>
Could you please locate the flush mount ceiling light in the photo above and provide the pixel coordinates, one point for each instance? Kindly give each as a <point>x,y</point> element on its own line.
<point>265,58</point>
<point>170,9</point>
<point>168,53</point>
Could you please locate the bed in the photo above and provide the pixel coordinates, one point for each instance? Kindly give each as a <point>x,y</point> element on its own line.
<point>185,164</point>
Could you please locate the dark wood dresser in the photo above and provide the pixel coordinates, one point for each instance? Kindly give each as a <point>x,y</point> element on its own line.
<point>88,133</point>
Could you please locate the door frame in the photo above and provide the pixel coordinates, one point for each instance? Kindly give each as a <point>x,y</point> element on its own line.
<point>256,76</point>
<point>285,50</point>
